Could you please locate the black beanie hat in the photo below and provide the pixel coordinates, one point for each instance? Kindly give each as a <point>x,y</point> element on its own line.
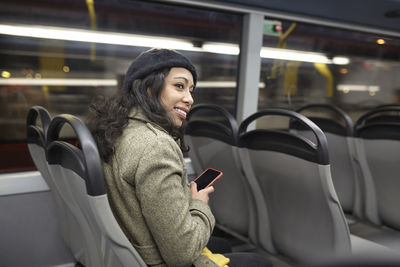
<point>156,59</point>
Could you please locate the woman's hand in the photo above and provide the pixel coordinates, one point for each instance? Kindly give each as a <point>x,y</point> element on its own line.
<point>202,194</point>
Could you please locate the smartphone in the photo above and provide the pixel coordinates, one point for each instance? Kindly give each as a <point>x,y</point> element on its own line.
<point>207,178</point>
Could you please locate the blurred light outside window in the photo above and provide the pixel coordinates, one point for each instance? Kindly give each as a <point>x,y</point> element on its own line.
<point>58,57</point>
<point>358,74</point>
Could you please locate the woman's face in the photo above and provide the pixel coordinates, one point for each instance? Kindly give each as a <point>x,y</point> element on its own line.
<point>176,96</point>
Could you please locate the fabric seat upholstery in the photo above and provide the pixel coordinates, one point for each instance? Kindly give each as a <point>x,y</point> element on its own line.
<point>341,152</point>
<point>37,145</point>
<point>292,176</point>
<point>378,145</point>
<point>211,134</point>
<point>81,174</point>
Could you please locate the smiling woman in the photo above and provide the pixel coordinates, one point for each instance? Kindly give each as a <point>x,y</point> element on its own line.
<point>176,97</point>
<point>137,133</point>
<point>140,138</point>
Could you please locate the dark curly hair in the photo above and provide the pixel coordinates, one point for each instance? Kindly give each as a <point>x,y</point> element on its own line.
<point>108,116</point>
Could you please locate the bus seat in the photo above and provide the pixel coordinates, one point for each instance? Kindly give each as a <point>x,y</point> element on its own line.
<point>341,152</point>
<point>377,135</point>
<point>303,213</point>
<point>81,173</point>
<point>383,118</point>
<point>211,134</point>
<point>61,156</point>
<point>37,143</point>
<point>36,139</point>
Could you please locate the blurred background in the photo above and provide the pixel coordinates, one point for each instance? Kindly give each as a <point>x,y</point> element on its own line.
<point>60,54</point>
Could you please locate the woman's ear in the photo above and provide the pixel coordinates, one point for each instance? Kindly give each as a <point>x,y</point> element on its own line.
<point>149,91</point>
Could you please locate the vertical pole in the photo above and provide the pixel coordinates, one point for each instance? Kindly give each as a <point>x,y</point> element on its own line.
<point>250,61</point>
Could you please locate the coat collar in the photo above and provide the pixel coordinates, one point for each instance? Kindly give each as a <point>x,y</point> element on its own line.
<point>138,114</point>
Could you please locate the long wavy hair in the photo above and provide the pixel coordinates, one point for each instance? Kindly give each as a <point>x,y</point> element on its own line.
<point>108,116</point>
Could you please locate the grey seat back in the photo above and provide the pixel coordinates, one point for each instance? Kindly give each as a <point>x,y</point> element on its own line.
<point>81,173</point>
<point>61,156</point>
<point>36,139</point>
<point>378,147</point>
<point>37,143</point>
<point>341,152</point>
<point>304,215</point>
<point>211,134</point>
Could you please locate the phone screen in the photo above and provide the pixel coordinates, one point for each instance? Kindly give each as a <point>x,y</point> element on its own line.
<point>206,178</point>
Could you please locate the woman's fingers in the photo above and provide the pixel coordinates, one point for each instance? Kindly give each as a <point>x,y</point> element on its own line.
<point>202,194</point>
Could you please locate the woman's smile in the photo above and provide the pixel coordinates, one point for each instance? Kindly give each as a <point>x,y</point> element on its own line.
<point>176,96</point>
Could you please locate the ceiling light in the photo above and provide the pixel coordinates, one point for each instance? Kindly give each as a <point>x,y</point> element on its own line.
<point>340,60</point>
<point>358,87</point>
<point>59,82</point>
<point>95,37</point>
<point>221,84</point>
<point>103,82</point>
<point>294,55</point>
<point>277,53</point>
<point>161,42</point>
<point>219,48</point>
<point>215,84</point>
<point>304,56</point>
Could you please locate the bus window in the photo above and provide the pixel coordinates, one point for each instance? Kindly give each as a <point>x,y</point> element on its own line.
<point>61,56</point>
<point>304,63</point>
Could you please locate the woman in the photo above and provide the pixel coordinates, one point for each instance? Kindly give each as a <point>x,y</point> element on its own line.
<point>140,138</point>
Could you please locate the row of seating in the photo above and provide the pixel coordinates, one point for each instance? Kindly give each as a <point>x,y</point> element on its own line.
<point>289,188</point>
<point>75,177</point>
<point>279,186</point>
<point>364,170</point>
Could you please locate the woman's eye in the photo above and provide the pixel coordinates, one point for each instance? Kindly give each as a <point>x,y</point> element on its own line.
<point>179,85</point>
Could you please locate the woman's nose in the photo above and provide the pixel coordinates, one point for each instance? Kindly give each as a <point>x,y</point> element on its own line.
<point>188,98</point>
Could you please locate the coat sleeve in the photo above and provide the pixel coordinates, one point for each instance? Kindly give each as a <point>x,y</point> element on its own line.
<point>180,226</point>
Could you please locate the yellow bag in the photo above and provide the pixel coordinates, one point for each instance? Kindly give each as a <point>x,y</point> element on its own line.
<point>219,259</point>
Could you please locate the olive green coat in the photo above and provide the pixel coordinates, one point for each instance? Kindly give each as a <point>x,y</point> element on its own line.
<point>150,197</point>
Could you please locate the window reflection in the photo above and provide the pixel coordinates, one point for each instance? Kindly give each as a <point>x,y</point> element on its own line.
<point>361,73</point>
<point>55,61</point>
